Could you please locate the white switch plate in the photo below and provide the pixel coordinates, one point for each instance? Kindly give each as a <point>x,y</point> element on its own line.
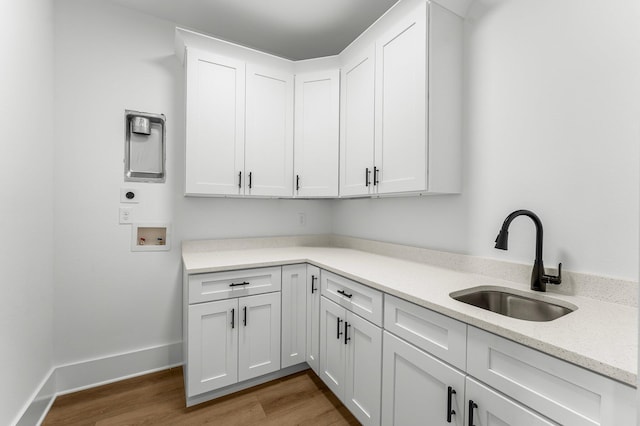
<point>129,195</point>
<point>126,214</point>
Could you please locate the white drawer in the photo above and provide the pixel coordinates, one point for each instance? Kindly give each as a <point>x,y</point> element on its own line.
<point>561,391</point>
<point>224,285</point>
<point>437,334</point>
<point>356,297</point>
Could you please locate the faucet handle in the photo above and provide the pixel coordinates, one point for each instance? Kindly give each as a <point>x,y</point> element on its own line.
<point>554,279</point>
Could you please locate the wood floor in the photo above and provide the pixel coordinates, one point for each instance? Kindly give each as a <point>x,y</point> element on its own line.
<point>158,399</point>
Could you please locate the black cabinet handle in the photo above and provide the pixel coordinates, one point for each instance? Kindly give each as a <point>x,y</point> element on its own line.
<point>472,405</point>
<point>297,182</point>
<point>345,294</point>
<point>450,411</point>
<point>346,332</point>
<point>375,176</point>
<point>367,173</point>
<point>244,321</point>
<point>240,179</point>
<point>238,284</point>
<point>338,329</point>
<point>313,289</point>
<point>250,180</point>
<point>233,318</point>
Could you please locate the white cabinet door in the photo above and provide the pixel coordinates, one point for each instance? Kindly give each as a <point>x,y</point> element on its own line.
<point>212,346</point>
<point>415,387</point>
<point>316,135</point>
<point>364,369</point>
<point>313,318</point>
<point>294,314</point>
<point>215,102</point>
<point>269,133</point>
<point>401,105</point>
<point>490,408</point>
<point>332,347</point>
<point>357,124</point>
<point>259,335</point>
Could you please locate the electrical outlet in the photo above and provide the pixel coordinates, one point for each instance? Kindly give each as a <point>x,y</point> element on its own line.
<point>129,195</point>
<point>126,214</point>
<point>302,219</point>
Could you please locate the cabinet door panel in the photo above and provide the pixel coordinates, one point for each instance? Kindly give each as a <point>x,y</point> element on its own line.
<point>259,335</point>
<point>364,369</point>
<point>332,347</point>
<point>213,346</point>
<point>357,124</point>
<point>316,134</point>
<point>415,387</point>
<point>493,409</point>
<point>401,105</point>
<point>294,314</point>
<point>215,105</point>
<point>313,318</point>
<point>269,132</point>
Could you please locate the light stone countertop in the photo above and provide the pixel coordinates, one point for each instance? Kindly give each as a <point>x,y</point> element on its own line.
<point>600,336</point>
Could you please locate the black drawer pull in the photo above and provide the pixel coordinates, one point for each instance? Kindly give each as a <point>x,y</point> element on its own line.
<point>244,321</point>
<point>297,182</point>
<point>250,175</point>
<point>240,180</point>
<point>238,284</point>
<point>450,411</point>
<point>345,294</point>
<point>346,332</point>
<point>313,289</point>
<point>367,173</point>
<point>338,329</point>
<point>472,405</point>
<point>233,318</point>
<point>375,176</point>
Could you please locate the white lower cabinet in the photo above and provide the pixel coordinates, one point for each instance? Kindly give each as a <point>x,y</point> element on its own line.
<point>294,314</point>
<point>313,318</point>
<point>488,408</point>
<point>212,360</point>
<point>232,340</point>
<point>418,389</point>
<point>351,360</point>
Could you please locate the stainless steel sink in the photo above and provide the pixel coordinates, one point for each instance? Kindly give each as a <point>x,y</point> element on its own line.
<point>507,302</point>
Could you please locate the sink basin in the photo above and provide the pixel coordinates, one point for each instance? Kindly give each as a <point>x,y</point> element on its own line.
<point>507,302</point>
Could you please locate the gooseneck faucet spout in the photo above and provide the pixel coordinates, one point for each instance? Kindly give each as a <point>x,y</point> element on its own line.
<point>539,279</point>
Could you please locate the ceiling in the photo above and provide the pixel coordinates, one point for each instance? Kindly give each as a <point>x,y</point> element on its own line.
<point>294,29</point>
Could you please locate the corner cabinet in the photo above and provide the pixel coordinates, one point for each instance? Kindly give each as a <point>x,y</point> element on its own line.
<point>401,108</point>
<point>294,314</point>
<point>316,138</point>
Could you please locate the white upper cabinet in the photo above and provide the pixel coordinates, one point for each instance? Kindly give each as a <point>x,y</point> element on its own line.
<point>316,133</point>
<point>214,123</point>
<point>269,133</point>
<point>388,122</point>
<point>401,106</point>
<point>357,124</point>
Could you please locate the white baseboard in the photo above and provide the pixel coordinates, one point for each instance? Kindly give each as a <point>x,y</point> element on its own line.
<point>96,372</point>
<point>41,402</point>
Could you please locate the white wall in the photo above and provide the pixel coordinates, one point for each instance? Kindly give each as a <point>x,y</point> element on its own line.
<point>109,300</point>
<point>553,125</point>
<point>26,171</point>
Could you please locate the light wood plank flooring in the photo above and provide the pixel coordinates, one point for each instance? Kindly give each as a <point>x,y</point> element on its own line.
<point>158,399</point>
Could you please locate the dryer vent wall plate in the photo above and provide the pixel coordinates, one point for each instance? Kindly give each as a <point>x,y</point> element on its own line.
<point>145,150</point>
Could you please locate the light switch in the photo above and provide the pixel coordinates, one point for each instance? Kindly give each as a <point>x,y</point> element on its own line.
<point>126,214</point>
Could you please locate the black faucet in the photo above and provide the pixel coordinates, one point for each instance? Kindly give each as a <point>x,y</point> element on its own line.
<point>539,279</point>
